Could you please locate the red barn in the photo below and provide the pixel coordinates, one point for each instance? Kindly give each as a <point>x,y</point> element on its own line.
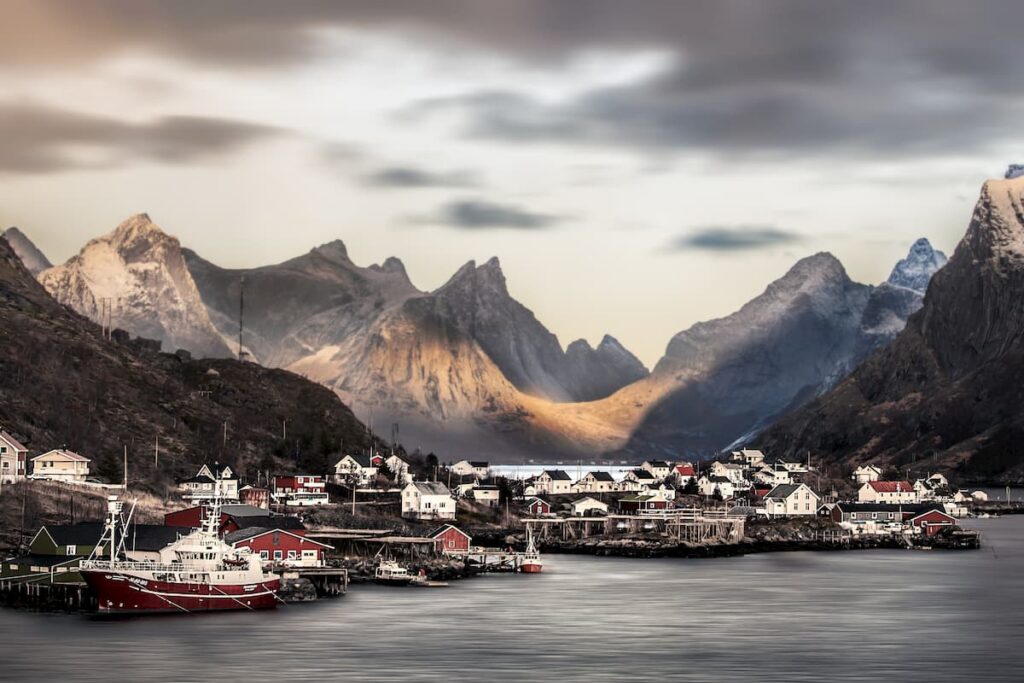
<point>451,539</point>
<point>538,506</point>
<point>278,546</point>
<point>642,502</point>
<point>932,522</point>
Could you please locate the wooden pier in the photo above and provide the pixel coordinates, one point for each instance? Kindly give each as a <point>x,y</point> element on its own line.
<point>690,526</point>
<point>489,559</point>
<point>328,581</point>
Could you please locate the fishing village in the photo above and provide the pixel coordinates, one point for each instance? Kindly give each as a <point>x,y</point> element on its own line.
<point>227,539</point>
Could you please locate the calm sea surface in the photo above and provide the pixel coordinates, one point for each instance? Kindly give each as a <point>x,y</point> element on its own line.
<point>864,616</point>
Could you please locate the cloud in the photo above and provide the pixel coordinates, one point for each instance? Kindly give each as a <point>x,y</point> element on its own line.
<point>735,238</point>
<point>478,214</point>
<point>41,139</point>
<point>794,77</point>
<point>413,177</point>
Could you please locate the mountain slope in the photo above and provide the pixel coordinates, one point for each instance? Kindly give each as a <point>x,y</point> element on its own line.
<point>951,385</point>
<point>297,307</point>
<point>62,383</point>
<point>137,273</point>
<point>34,260</point>
<point>595,373</point>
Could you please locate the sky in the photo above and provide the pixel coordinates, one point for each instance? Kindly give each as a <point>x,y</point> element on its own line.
<point>636,166</point>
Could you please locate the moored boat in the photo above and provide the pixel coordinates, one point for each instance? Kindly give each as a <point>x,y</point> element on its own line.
<point>197,573</point>
<point>390,573</point>
<point>531,563</point>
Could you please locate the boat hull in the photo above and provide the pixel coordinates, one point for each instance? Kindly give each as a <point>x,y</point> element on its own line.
<point>123,593</point>
<point>529,567</point>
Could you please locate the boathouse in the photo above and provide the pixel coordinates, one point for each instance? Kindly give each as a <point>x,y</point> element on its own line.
<point>451,539</point>
<point>537,506</point>
<point>932,522</point>
<point>278,546</point>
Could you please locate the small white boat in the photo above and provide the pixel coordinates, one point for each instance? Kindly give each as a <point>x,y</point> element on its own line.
<point>390,573</point>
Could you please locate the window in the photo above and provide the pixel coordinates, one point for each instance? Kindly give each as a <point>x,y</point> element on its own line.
<point>71,550</point>
<point>264,554</point>
<point>278,555</point>
<point>292,555</point>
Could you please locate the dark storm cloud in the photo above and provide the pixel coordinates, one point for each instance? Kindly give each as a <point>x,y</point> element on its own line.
<point>479,214</point>
<point>411,177</point>
<point>42,139</point>
<point>734,238</point>
<point>920,77</point>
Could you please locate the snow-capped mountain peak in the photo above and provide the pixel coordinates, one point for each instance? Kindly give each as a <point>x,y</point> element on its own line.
<point>916,270</point>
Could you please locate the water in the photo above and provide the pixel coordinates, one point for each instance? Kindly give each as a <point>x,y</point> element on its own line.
<point>574,470</point>
<point>871,616</point>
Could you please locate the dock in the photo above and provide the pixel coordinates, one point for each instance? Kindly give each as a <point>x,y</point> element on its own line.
<point>683,525</point>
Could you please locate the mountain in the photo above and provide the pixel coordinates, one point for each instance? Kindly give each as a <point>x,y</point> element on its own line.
<point>136,277</point>
<point>295,308</point>
<point>63,383</point>
<point>723,379</point>
<point>899,297</point>
<point>477,301</point>
<point>949,388</point>
<point>596,373</point>
<point>34,260</point>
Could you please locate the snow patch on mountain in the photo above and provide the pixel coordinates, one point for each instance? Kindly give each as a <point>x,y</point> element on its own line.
<point>916,270</point>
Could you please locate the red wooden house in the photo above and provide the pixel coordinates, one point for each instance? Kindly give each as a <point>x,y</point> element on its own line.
<point>451,539</point>
<point>278,546</point>
<point>537,506</point>
<point>296,483</point>
<point>932,522</point>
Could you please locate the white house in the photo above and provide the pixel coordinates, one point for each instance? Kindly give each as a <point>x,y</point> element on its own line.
<point>61,465</point>
<point>587,506</point>
<point>486,494</point>
<point>478,468</point>
<point>731,471</point>
<point>357,469</point>
<point>887,492</point>
<point>427,500</point>
<point>203,486</point>
<point>13,459</point>
<point>684,473</point>
<point>866,473</point>
<point>640,476</point>
<point>771,475</point>
<point>553,482</point>
<point>399,468</point>
<point>659,468</point>
<point>594,482</point>
<point>664,490</point>
<point>788,500</point>
<point>748,456</point>
<point>710,484</point>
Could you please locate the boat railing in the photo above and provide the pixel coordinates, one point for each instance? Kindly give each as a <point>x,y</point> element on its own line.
<point>107,565</point>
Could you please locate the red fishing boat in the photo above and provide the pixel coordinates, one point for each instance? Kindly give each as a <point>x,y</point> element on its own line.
<point>531,563</point>
<point>197,573</point>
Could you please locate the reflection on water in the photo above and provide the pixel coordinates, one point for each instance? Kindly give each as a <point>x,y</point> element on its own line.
<point>902,615</point>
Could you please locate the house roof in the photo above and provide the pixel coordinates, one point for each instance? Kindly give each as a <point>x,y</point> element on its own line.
<point>11,441</point>
<point>443,528</point>
<point>639,498</point>
<point>70,455</point>
<point>685,470</point>
<point>361,459</point>
<point>642,474</point>
<point>862,468</point>
<point>431,488</point>
<point>558,475</point>
<point>719,479</point>
<point>218,471</point>
<point>785,491</point>
<point>936,511</point>
<point>27,561</point>
<point>83,533</point>
<point>891,486</point>
<point>657,463</point>
<point>906,508</point>
<point>255,532</point>
<point>479,463</point>
<point>534,499</point>
<point>600,475</point>
<point>242,510</point>
<point>588,499</point>
<point>198,479</point>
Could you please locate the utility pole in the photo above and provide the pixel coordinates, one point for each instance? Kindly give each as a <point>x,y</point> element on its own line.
<point>156,454</point>
<point>284,429</point>
<point>241,316</point>
<point>125,486</point>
